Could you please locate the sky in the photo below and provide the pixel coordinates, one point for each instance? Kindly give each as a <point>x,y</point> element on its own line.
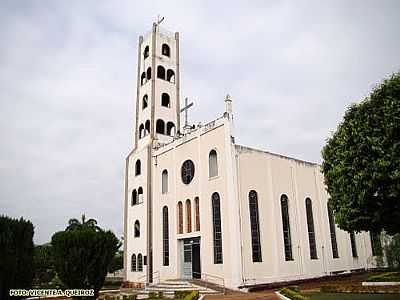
<point>68,87</point>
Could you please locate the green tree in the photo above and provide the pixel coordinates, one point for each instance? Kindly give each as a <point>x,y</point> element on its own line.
<point>392,251</point>
<point>16,255</point>
<point>82,256</point>
<point>76,224</point>
<point>44,265</point>
<point>117,262</point>
<point>361,162</point>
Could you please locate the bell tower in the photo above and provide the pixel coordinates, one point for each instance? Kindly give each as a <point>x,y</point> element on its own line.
<point>158,83</point>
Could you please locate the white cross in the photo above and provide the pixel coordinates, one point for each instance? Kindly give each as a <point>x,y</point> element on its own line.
<point>185,109</point>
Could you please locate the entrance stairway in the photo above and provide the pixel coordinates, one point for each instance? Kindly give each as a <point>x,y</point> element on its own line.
<point>168,288</point>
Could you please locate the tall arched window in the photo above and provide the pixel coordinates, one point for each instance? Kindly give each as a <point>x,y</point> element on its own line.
<point>148,73</point>
<point>311,230</point>
<point>133,263</point>
<point>332,229</point>
<point>137,167</point>
<point>165,100</point>
<point>137,229</point>
<point>134,198</point>
<point>212,164</point>
<point>143,78</point>
<point>146,52</point>
<point>165,237</point>
<point>180,217</point>
<point>147,127</point>
<point>287,239</point>
<point>161,72</point>
<point>141,131</point>
<point>217,228</point>
<point>255,227</point>
<point>145,101</point>
<point>165,50</point>
<point>353,244</point>
<point>140,263</point>
<point>164,182</point>
<point>197,213</point>
<point>188,216</point>
<point>140,195</point>
<point>170,129</point>
<point>376,245</point>
<point>171,76</point>
<point>160,126</point>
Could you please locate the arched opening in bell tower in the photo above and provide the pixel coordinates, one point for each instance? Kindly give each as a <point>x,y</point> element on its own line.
<point>161,72</point>
<point>165,100</point>
<point>160,126</point>
<point>171,76</point>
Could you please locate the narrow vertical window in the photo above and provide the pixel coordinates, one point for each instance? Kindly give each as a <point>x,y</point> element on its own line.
<point>353,245</point>
<point>197,213</point>
<point>137,168</point>
<point>180,217</point>
<point>134,198</point>
<point>165,237</point>
<point>188,216</point>
<point>212,164</point>
<point>311,229</point>
<point>140,263</point>
<point>164,182</point>
<point>133,263</point>
<point>137,229</point>
<point>145,101</point>
<point>376,245</point>
<point>255,227</point>
<point>287,239</point>
<point>332,228</point>
<point>217,229</point>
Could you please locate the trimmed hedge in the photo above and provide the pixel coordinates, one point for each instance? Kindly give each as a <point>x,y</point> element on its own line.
<point>186,295</point>
<point>293,293</point>
<point>385,277</point>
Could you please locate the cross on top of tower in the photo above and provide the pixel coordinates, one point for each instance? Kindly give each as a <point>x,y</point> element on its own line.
<point>185,109</point>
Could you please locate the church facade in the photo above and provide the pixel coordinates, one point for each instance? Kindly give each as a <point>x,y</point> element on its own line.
<point>198,205</point>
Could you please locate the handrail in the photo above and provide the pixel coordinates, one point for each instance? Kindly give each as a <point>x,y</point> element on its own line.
<point>145,277</point>
<point>203,277</point>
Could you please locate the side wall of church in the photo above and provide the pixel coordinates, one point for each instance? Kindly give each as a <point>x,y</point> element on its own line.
<point>196,147</point>
<point>271,176</point>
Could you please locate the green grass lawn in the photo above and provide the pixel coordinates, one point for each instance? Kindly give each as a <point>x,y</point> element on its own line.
<point>346,296</point>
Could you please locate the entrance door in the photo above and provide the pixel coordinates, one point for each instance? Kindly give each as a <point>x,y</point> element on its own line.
<point>196,267</point>
<point>191,267</point>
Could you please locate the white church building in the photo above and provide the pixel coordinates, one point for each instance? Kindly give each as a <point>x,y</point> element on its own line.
<point>198,205</point>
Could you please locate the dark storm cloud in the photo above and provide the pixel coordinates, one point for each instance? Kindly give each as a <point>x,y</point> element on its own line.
<point>67,87</point>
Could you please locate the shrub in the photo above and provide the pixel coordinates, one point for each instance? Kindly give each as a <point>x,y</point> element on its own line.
<point>181,294</point>
<point>292,294</point>
<point>16,253</point>
<point>153,295</point>
<point>194,295</point>
<point>389,276</point>
<point>328,289</point>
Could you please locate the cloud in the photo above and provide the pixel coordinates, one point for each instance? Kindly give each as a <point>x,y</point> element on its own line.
<point>68,74</point>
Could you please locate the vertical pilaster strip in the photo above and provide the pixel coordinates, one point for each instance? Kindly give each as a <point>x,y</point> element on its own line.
<point>126,265</point>
<point>137,92</point>
<point>178,84</point>
<point>153,79</point>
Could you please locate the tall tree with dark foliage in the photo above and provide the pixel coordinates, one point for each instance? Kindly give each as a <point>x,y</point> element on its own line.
<point>16,255</point>
<point>361,162</point>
